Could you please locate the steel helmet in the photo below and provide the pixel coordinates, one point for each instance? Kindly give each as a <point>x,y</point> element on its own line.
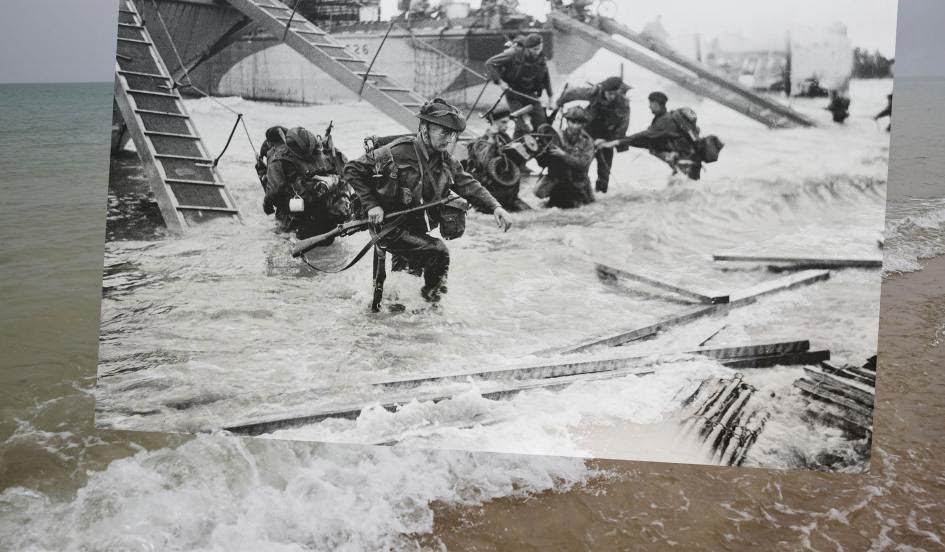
<point>301,141</point>
<point>438,112</point>
<point>576,113</point>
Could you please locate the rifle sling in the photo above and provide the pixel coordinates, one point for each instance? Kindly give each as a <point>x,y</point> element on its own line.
<point>377,237</point>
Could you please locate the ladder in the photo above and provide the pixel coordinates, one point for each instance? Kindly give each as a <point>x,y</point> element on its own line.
<point>685,72</point>
<point>180,171</point>
<point>331,56</point>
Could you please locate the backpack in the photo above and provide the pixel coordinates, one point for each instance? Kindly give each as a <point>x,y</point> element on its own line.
<point>709,148</point>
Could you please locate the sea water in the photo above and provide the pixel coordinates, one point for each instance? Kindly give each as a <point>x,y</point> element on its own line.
<point>70,486</point>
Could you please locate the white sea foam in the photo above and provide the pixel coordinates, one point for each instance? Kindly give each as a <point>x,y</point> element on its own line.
<point>224,493</point>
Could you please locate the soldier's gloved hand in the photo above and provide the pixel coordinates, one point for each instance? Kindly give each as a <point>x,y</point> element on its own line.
<point>268,207</point>
<point>556,151</point>
<point>502,219</point>
<point>375,215</point>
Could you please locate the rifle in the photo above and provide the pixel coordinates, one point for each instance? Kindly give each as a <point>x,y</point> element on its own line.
<point>551,118</point>
<point>349,228</point>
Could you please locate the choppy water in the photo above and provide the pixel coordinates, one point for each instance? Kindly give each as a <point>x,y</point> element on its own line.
<point>69,485</point>
<point>221,327</point>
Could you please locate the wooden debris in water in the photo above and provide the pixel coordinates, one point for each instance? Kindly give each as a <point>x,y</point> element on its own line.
<point>807,262</point>
<point>497,385</point>
<point>609,272</point>
<point>738,299</point>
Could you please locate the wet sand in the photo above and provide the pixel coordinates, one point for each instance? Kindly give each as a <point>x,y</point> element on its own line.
<point>635,505</point>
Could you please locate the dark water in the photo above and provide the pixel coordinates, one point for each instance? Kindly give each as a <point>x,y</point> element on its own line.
<point>66,485</point>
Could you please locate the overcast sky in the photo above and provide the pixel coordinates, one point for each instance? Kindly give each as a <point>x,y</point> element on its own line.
<point>74,40</point>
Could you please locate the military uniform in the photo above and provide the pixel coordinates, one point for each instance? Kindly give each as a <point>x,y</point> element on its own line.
<point>608,120</point>
<point>482,151</point>
<point>567,172</point>
<point>673,138</point>
<point>404,174</point>
<point>525,74</point>
<point>287,172</point>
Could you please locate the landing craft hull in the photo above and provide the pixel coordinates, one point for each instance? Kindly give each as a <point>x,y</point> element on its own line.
<point>225,56</point>
<point>262,68</point>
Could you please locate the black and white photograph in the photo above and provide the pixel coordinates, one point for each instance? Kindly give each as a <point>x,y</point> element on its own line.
<point>648,230</point>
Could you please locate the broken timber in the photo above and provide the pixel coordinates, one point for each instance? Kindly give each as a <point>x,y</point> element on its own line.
<point>748,103</point>
<point>334,58</point>
<point>849,395</point>
<point>742,298</point>
<point>805,262</point>
<point>180,171</point>
<point>540,377</point>
<point>612,273</point>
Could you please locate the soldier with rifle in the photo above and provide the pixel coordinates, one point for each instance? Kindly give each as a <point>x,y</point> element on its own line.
<point>524,69</point>
<point>412,171</point>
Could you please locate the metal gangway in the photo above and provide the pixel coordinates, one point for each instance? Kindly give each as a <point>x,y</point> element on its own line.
<point>180,172</point>
<point>690,74</point>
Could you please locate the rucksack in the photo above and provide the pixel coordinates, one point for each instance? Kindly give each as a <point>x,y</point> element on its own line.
<point>709,148</point>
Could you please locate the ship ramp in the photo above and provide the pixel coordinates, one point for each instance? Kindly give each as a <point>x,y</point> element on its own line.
<point>337,60</point>
<point>690,74</point>
<point>180,172</point>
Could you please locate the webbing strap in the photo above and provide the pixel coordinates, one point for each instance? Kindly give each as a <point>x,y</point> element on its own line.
<point>377,237</point>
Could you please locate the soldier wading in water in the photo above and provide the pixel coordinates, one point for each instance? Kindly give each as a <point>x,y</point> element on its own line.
<point>411,171</point>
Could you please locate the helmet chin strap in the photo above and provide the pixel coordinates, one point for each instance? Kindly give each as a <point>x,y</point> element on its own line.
<point>425,134</point>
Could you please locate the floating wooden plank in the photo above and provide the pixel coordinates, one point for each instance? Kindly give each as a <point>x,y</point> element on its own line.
<point>565,368</point>
<point>622,337</point>
<point>352,411</point>
<point>166,140</point>
<point>841,387</point>
<point>865,378</point>
<point>610,272</point>
<point>785,283</point>
<point>812,261</point>
<point>789,359</point>
<point>494,390</point>
<point>739,299</point>
<point>852,411</point>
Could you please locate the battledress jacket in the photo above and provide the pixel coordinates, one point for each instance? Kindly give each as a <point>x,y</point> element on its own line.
<point>608,120</point>
<point>391,177</point>
<point>529,76</point>
<point>285,169</point>
<point>664,134</point>
<point>568,172</point>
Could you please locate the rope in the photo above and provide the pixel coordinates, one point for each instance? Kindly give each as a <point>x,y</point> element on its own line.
<point>239,118</point>
<point>288,24</point>
<point>373,59</point>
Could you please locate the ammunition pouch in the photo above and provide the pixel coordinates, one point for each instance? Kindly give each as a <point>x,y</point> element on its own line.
<point>452,219</point>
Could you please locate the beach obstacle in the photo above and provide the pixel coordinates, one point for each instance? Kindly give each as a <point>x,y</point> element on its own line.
<point>495,384</point>
<point>180,171</point>
<point>720,414</point>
